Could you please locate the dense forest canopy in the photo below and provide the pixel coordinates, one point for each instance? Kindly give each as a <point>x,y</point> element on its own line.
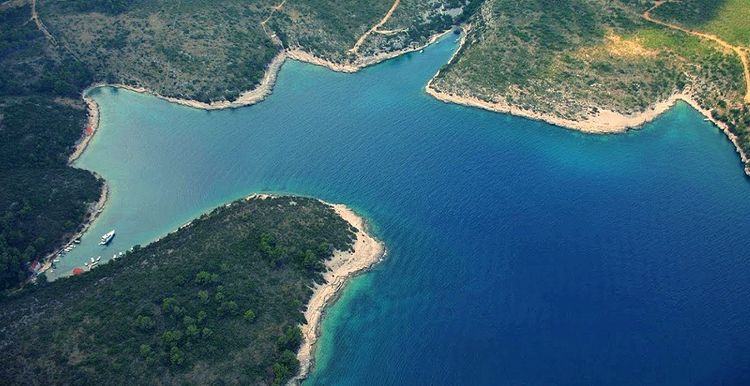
<point>217,301</point>
<point>42,199</point>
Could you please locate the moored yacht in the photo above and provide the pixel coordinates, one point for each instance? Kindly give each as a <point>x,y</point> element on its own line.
<point>107,237</point>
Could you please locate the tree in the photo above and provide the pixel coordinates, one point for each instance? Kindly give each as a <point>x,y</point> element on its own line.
<point>203,277</point>
<point>310,260</point>
<point>249,316</point>
<point>176,357</point>
<point>289,359</point>
<point>291,338</point>
<point>280,373</point>
<point>168,304</point>
<point>171,337</point>
<point>192,330</point>
<point>144,323</point>
<point>229,308</point>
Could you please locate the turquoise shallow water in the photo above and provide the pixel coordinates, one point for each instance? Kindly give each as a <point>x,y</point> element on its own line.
<point>519,252</point>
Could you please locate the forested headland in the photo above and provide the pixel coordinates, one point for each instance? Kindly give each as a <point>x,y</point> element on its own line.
<point>218,301</point>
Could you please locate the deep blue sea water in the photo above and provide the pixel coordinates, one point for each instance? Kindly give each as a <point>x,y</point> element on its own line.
<point>519,253</point>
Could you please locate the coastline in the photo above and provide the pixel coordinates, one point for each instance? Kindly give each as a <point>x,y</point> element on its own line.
<point>249,97</point>
<point>92,124</point>
<point>343,265</point>
<point>265,87</point>
<point>605,122</point>
<point>341,268</point>
<point>744,157</point>
<point>246,98</point>
<point>362,62</point>
<point>94,211</point>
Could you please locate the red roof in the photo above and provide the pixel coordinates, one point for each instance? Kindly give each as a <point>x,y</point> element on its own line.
<point>89,130</point>
<point>77,271</point>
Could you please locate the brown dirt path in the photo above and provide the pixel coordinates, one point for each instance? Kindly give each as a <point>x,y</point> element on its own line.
<point>270,33</point>
<point>382,21</point>
<point>40,25</point>
<point>740,51</point>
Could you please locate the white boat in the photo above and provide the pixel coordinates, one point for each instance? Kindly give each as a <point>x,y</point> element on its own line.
<point>107,237</point>
<point>56,261</point>
<point>98,258</point>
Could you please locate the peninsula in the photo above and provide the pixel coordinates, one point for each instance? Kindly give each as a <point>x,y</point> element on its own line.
<point>222,298</point>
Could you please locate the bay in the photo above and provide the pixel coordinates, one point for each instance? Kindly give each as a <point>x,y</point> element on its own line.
<point>518,252</point>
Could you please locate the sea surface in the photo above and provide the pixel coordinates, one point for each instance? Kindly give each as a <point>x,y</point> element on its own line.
<point>519,253</point>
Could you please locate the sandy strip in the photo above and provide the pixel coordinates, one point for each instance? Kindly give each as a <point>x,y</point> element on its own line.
<point>341,267</point>
<point>604,122</point>
<point>260,92</point>
<point>92,122</point>
<point>360,62</point>
<point>265,87</point>
<point>303,56</point>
